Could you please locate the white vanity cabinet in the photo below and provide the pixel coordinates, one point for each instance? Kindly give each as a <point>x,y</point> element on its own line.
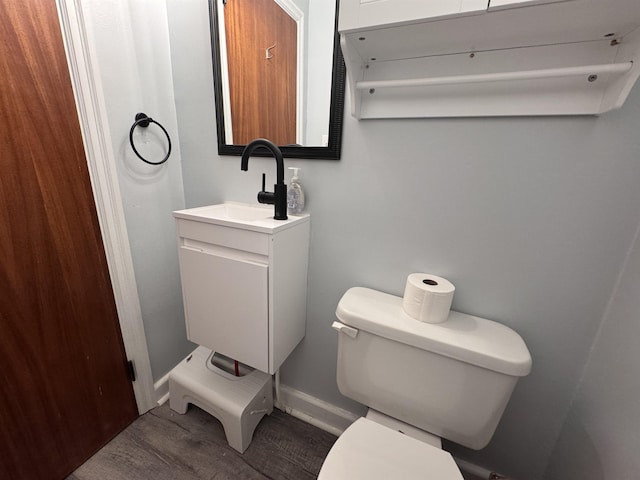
<point>244,282</point>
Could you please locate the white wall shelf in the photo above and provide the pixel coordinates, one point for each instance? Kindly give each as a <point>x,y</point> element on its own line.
<point>519,57</point>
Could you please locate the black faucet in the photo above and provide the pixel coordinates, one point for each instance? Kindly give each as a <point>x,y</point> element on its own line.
<point>278,197</point>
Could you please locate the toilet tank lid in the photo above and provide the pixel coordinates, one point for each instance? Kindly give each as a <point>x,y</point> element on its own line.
<point>470,339</point>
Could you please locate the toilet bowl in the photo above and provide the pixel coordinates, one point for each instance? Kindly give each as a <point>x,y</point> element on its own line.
<point>370,451</point>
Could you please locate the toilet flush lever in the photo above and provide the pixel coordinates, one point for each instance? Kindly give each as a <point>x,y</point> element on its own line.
<point>346,329</point>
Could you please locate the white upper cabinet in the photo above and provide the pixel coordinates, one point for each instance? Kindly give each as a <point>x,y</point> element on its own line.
<point>495,4</point>
<point>357,14</point>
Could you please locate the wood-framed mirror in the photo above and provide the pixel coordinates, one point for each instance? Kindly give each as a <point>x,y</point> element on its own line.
<point>278,74</point>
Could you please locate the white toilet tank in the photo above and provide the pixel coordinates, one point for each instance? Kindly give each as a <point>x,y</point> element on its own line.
<point>452,379</point>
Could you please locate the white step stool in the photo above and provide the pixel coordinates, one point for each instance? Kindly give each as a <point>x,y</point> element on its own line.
<point>238,402</point>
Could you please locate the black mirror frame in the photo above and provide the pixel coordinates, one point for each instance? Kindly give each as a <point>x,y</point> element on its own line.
<point>336,112</point>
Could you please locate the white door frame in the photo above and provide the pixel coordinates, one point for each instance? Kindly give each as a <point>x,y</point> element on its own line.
<point>296,14</point>
<point>106,191</point>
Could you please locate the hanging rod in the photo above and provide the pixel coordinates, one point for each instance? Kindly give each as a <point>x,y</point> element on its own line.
<point>591,70</point>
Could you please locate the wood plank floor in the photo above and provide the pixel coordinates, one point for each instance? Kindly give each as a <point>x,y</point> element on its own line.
<point>164,445</point>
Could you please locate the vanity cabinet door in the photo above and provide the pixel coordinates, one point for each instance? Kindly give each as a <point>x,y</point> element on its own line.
<point>232,294</point>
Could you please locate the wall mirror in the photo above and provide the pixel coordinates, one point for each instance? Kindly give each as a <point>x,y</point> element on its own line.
<point>278,74</point>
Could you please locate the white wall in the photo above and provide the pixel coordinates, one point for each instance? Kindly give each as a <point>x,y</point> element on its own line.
<point>530,218</point>
<point>601,436</point>
<point>132,46</point>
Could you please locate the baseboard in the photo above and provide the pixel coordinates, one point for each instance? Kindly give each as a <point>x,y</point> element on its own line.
<point>318,413</point>
<point>335,420</point>
<point>161,390</point>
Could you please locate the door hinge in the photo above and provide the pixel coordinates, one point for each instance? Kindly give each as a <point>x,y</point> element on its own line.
<point>132,370</point>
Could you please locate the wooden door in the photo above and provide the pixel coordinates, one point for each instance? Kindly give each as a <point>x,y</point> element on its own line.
<point>64,385</point>
<point>263,90</point>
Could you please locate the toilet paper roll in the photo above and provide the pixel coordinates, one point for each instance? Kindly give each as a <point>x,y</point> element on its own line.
<point>428,297</point>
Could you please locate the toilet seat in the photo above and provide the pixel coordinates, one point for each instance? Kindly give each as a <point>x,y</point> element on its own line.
<point>369,451</point>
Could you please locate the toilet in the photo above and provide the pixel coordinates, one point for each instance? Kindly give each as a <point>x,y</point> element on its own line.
<point>422,382</point>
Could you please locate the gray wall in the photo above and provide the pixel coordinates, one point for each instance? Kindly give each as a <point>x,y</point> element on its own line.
<point>530,218</point>
<point>601,436</point>
<point>131,44</point>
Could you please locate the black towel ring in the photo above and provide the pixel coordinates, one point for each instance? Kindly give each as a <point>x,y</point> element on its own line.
<point>144,121</point>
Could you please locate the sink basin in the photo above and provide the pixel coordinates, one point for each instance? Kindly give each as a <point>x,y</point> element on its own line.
<point>242,212</point>
<point>255,217</point>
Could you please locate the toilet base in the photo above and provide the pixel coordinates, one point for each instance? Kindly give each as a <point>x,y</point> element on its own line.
<point>238,402</point>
